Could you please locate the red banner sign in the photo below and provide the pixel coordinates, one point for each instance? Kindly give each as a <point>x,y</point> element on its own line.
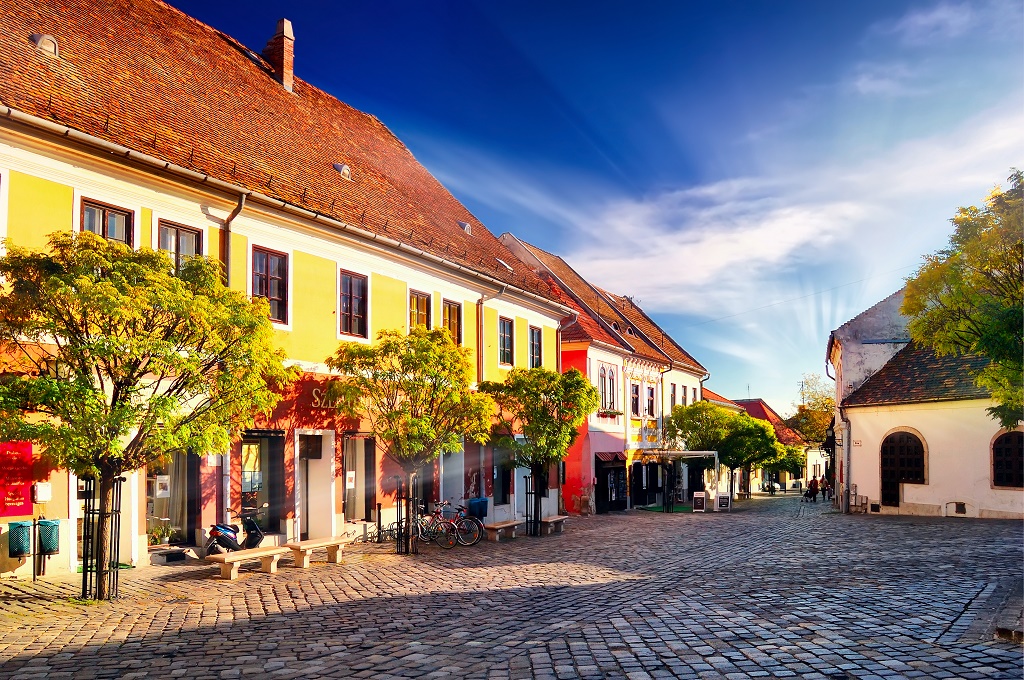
<point>15,479</point>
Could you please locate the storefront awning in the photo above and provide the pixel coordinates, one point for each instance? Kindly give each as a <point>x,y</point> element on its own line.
<point>610,456</point>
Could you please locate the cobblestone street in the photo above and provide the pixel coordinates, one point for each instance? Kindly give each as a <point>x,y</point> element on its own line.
<point>761,592</point>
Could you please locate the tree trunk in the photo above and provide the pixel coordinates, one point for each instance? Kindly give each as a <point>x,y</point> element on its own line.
<point>538,477</point>
<point>103,534</point>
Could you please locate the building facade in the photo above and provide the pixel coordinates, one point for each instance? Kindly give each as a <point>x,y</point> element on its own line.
<point>153,129</point>
<point>913,434</point>
<point>641,374</point>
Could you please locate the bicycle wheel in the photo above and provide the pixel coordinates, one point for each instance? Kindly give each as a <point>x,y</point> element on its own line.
<point>445,534</point>
<point>469,531</point>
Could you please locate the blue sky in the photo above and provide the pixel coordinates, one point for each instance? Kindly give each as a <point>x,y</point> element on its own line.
<point>754,174</point>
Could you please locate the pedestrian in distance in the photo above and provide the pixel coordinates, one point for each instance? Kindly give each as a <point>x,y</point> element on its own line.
<point>812,490</point>
<point>823,485</point>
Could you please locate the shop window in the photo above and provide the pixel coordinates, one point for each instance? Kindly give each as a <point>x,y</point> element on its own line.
<point>270,281</point>
<point>452,312</point>
<point>505,341</point>
<point>502,476</point>
<point>1008,460</point>
<point>254,464</point>
<point>167,499</point>
<point>419,309</point>
<point>179,242</point>
<point>108,221</point>
<point>535,344</point>
<point>353,304</point>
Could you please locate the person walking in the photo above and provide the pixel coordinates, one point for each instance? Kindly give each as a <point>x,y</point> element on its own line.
<point>823,485</point>
<point>812,489</point>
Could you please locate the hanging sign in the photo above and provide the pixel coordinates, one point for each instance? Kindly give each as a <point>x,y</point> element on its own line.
<point>699,500</point>
<point>350,479</point>
<point>15,479</point>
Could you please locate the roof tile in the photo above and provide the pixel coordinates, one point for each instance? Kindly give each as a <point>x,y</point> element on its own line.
<point>916,374</point>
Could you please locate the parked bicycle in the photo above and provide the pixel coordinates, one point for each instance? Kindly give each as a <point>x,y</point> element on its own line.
<point>470,529</point>
<point>434,527</point>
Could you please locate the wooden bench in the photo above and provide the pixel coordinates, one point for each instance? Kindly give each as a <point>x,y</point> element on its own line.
<point>553,524</point>
<point>499,530</point>
<point>301,550</point>
<point>229,562</point>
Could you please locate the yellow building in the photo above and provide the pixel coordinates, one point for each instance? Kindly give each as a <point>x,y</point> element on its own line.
<point>156,130</point>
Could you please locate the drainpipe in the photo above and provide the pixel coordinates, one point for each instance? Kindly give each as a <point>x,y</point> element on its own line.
<point>225,236</point>
<point>847,432</point>
<point>480,331</point>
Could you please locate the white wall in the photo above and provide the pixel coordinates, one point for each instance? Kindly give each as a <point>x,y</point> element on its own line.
<point>957,437</point>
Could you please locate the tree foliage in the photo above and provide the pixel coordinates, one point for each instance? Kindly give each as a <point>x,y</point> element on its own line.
<point>749,443</point>
<point>969,297</point>
<point>740,440</point>
<point>112,360</point>
<point>793,460</point>
<point>546,408</point>
<point>701,426</point>
<point>414,390</point>
<point>815,410</point>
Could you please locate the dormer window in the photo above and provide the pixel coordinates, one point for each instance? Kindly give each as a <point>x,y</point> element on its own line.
<point>46,44</point>
<point>344,170</point>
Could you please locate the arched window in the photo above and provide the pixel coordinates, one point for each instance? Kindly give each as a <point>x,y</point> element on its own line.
<point>902,463</point>
<point>611,390</point>
<point>1008,460</point>
<point>603,387</point>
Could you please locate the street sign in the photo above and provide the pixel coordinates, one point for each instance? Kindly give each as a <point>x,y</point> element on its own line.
<point>699,500</point>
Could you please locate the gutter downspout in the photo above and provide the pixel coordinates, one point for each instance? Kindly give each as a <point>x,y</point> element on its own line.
<point>225,236</point>
<point>847,432</point>
<point>480,331</point>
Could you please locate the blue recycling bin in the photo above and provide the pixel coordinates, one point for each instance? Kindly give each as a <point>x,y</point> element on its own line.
<point>477,507</point>
<point>49,536</point>
<point>19,539</point>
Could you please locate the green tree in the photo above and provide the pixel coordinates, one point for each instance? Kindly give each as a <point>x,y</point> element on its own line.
<point>546,408</point>
<point>749,443</point>
<point>113,361</point>
<point>701,426</point>
<point>815,410</point>
<point>969,297</point>
<point>793,460</point>
<point>415,392</point>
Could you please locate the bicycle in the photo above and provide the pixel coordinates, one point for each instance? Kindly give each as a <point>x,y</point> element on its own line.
<point>434,527</point>
<point>470,529</point>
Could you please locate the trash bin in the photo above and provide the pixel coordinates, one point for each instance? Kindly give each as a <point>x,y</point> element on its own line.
<point>478,507</point>
<point>49,536</point>
<point>19,539</point>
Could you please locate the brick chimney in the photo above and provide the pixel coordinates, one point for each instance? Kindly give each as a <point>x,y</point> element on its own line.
<point>280,52</point>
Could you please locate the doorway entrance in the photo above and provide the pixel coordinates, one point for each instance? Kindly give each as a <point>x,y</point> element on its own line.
<point>902,461</point>
<point>610,494</point>
<point>263,476</point>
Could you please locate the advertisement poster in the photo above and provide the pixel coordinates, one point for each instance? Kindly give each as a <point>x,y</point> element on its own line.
<point>15,479</point>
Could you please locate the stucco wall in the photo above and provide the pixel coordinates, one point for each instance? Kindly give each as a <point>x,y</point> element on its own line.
<point>957,437</point>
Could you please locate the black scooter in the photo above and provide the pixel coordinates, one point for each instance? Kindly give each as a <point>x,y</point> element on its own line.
<point>224,537</point>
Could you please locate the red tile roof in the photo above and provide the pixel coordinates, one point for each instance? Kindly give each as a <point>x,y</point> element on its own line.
<point>916,374</point>
<point>757,408</point>
<point>143,75</point>
<point>708,395</point>
<point>653,334</point>
<point>651,342</point>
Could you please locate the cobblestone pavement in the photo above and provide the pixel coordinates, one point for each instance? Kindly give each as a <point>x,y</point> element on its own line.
<point>777,588</point>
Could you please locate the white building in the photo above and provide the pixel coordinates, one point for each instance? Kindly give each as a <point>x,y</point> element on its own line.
<point>914,436</point>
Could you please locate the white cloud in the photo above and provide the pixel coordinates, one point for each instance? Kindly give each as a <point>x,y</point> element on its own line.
<point>891,79</point>
<point>945,21</point>
<point>922,26</point>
